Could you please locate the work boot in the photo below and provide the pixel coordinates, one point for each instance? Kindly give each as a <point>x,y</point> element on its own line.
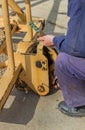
<point>71,111</point>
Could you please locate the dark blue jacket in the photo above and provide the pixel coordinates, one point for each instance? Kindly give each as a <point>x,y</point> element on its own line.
<point>74,41</point>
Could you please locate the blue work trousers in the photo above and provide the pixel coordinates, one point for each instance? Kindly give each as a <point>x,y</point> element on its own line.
<point>70,71</point>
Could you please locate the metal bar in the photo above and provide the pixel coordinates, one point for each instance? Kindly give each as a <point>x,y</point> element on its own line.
<point>3,65</point>
<point>11,63</point>
<point>29,19</point>
<point>9,80</point>
<point>17,10</point>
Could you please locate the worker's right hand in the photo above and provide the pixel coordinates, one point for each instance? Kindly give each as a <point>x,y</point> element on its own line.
<point>47,40</point>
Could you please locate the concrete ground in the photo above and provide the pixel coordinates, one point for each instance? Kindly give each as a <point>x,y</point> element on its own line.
<point>30,111</point>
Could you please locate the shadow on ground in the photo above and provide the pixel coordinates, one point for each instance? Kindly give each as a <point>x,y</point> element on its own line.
<point>52,18</point>
<point>22,109</point>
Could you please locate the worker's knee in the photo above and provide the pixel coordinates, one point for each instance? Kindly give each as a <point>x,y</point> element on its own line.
<point>61,62</point>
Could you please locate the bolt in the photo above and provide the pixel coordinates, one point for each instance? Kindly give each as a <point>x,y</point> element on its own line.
<point>41,88</point>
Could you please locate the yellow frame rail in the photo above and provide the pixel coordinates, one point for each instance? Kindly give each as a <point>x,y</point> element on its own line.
<point>29,66</point>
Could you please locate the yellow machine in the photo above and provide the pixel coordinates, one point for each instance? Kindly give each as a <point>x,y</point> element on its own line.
<point>31,65</point>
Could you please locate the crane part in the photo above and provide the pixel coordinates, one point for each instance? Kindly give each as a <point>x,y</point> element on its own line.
<point>30,65</point>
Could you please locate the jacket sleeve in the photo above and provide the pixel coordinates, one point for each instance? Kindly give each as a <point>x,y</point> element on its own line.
<point>58,41</point>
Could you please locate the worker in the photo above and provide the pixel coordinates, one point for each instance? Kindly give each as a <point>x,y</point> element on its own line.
<point>70,63</point>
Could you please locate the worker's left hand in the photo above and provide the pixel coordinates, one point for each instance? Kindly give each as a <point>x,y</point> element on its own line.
<point>47,40</point>
<point>55,83</point>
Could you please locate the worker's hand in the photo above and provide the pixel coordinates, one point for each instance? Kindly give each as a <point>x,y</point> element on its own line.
<point>55,83</point>
<point>47,40</point>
